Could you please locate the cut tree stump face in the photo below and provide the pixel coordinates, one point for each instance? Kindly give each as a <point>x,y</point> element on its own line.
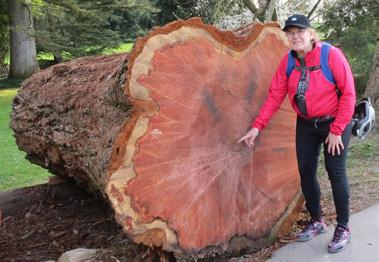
<point>156,133</point>
<point>185,181</point>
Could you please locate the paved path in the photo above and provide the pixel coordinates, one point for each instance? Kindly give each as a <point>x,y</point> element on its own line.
<point>364,246</point>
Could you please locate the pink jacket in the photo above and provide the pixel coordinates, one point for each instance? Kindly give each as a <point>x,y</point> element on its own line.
<point>321,96</point>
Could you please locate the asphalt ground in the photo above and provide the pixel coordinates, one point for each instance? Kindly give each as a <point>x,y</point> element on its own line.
<point>364,245</point>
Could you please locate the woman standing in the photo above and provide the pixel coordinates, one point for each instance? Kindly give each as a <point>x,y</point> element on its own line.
<point>321,91</point>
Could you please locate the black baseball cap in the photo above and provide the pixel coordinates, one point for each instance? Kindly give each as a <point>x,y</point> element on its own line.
<point>297,20</point>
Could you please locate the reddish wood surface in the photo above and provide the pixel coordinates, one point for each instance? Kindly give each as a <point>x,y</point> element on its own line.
<point>171,167</point>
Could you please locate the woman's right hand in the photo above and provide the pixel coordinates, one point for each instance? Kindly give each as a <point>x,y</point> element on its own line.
<point>250,136</point>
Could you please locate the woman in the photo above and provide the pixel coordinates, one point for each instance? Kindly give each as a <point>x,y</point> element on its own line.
<point>324,112</point>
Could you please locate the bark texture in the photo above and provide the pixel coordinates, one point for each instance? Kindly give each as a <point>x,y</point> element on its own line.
<point>23,54</point>
<point>372,89</point>
<point>68,117</point>
<point>156,133</point>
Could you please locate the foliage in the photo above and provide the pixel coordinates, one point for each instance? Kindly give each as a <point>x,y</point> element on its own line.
<point>211,11</point>
<point>4,31</point>
<point>80,27</point>
<point>173,10</point>
<point>353,26</point>
<point>287,8</point>
<point>67,27</point>
<point>135,20</point>
<point>15,170</point>
<point>123,48</point>
<point>224,8</point>
<point>9,83</point>
<point>208,10</point>
<point>214,11</point>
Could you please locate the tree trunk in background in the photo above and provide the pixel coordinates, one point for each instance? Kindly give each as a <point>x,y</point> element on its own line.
<point>4,33</point>
<point>23,54</point>
<point>156,133</point>
<point>372,89</point>
<point>270,11</point>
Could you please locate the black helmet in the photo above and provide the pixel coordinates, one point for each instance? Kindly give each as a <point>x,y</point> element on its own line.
<point>363,118</point>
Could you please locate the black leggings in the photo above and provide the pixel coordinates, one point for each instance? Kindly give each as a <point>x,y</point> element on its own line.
<point>309,139</point>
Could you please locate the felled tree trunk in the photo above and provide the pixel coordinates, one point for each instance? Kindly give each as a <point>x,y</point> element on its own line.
<point>156,133</point>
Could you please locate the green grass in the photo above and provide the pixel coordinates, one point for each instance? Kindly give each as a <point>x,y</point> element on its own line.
<point>126,47</point>
<point>46,56</point>
<point>363,157</point>
<point>6,61</point>
<point>363,150</point>
<point>15,170</point>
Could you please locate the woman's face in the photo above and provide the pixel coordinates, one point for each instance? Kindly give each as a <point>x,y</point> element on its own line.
<point>300,39</point>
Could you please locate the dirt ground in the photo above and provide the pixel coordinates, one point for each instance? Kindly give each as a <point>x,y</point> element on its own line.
<point>59,218</point>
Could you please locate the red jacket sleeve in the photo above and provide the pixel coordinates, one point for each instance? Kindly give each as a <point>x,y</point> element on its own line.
<point>276,94</point>
<point>345,83</point>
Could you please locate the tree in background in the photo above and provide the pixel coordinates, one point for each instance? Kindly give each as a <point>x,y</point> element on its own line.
<point>215,11</point>
<point>74,27</point>
<point>175,9</point>
<point>23,54</point>
<point>353,26</point>
<point>134,19</point>
<point>4,32</point>
<point>82,27</point>
<point>372,89</point>
<point>211,11</point>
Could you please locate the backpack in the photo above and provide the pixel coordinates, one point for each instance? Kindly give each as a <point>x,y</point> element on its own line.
<point>325,48</point>
<point>324,65</point>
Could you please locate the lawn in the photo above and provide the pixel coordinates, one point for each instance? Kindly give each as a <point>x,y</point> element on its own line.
<point>126,47</point>
<point>43,56</point>
<point>15,170</point>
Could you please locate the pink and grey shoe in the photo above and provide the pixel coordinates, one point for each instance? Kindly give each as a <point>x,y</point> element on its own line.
<point>313,229</point>
<point>341,238</point>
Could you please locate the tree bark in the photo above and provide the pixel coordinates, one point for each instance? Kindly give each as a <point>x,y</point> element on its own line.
<point>156,133</point>
<point>260,12</point>
<point>23,54</point>
<point>270,10</point>
<point>249,4</point>
<point>372,89</point>
<point>4,32</point>
<point>264,11</point>
<point>313,9</point>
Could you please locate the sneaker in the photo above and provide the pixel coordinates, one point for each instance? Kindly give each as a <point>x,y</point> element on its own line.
<point>311,230</point>
<point>340,239</point>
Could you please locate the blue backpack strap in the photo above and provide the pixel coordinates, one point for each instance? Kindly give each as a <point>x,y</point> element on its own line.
<point>325,48</point>
<point>290,63</point>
